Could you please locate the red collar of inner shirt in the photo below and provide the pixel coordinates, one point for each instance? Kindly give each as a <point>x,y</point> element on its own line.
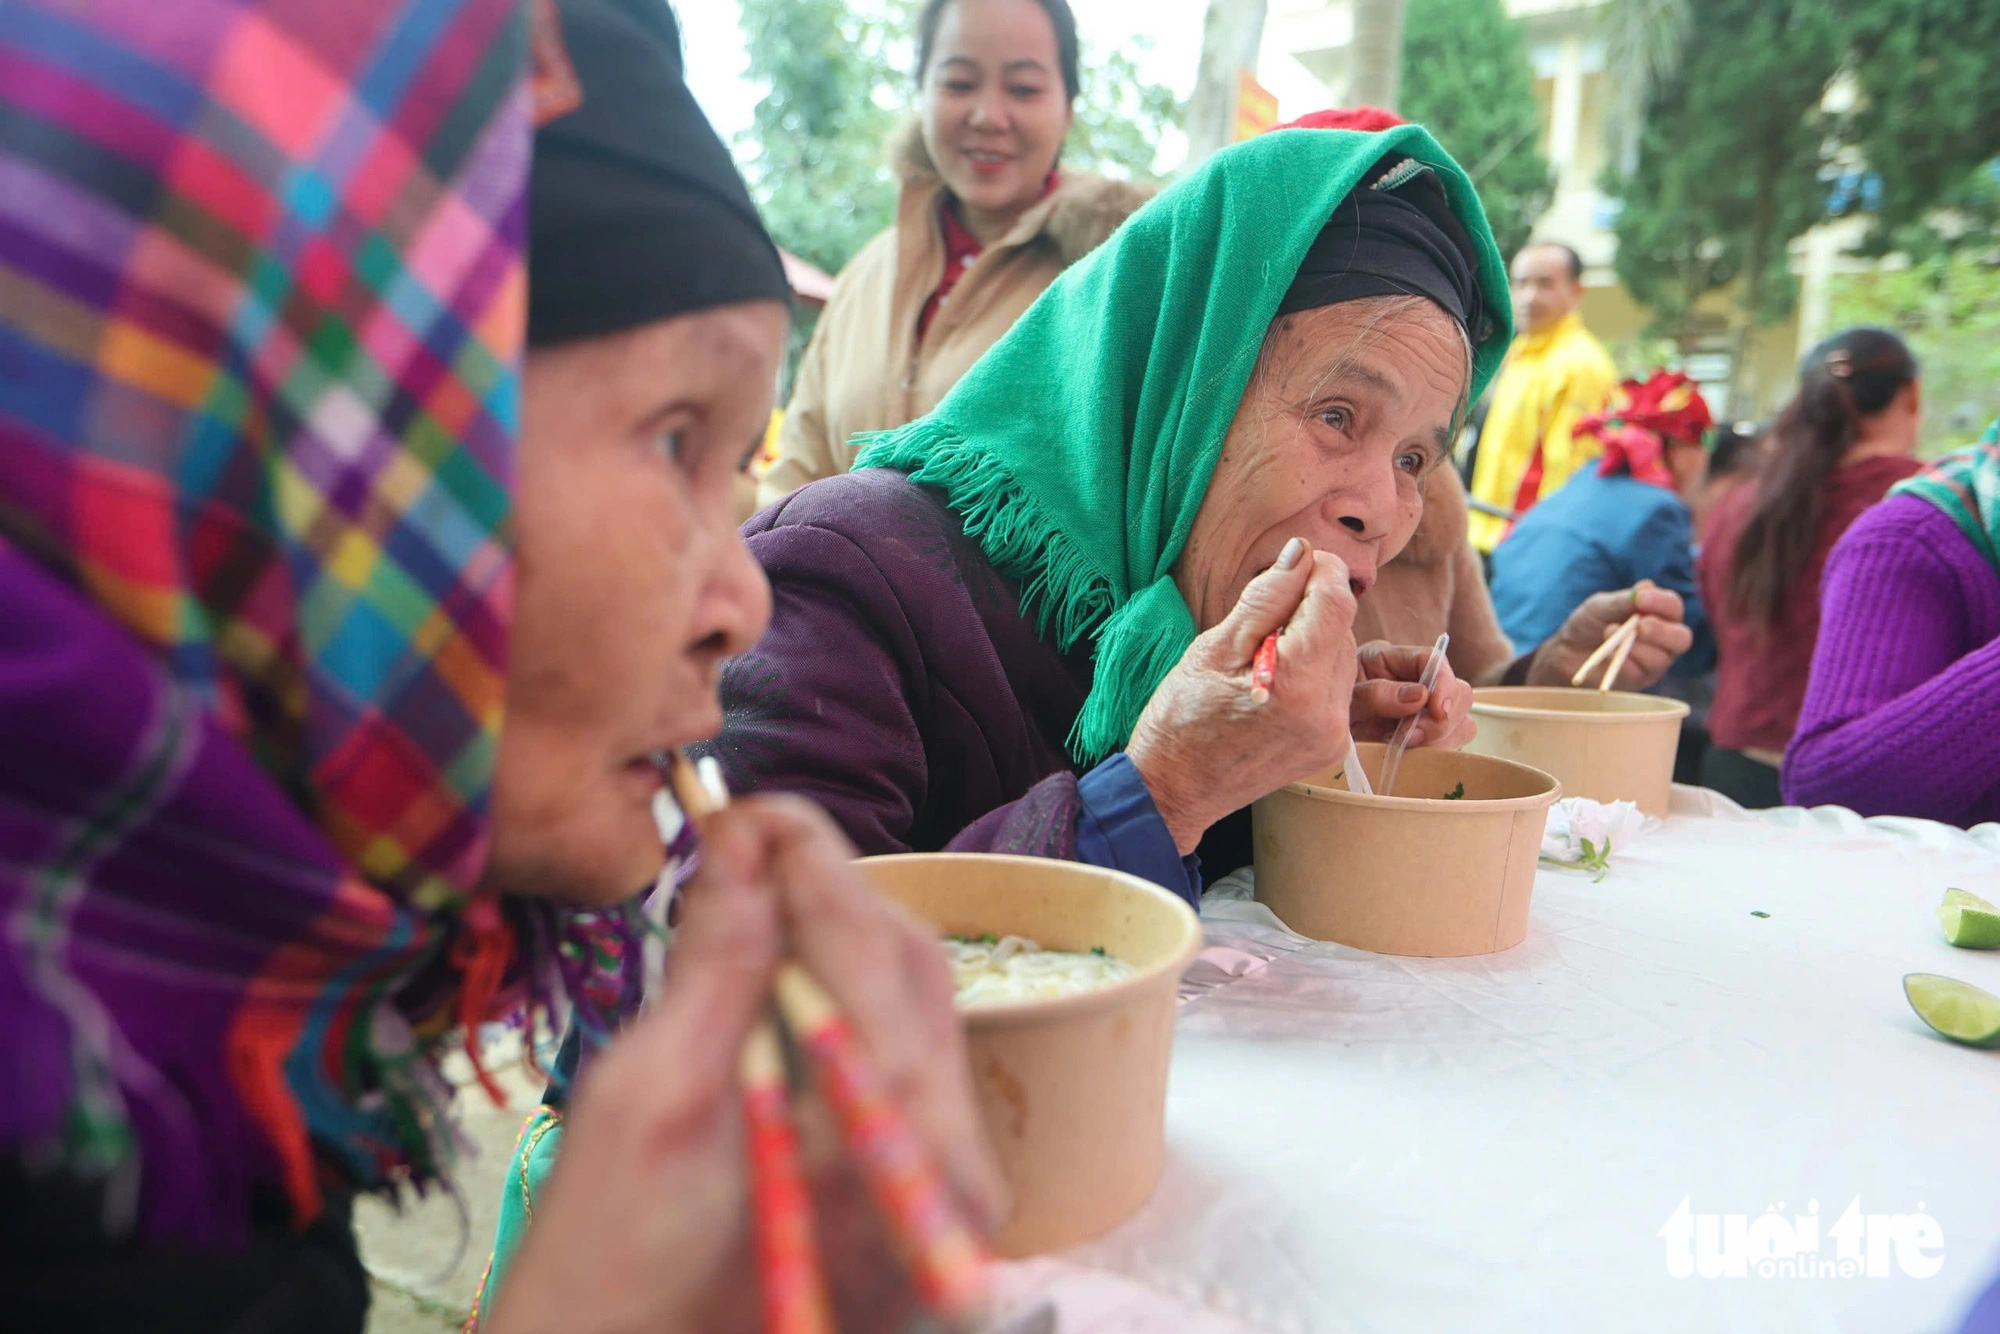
<point>961,247</point>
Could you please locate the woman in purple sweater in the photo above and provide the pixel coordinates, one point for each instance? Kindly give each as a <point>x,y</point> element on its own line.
<point>1902,716</point>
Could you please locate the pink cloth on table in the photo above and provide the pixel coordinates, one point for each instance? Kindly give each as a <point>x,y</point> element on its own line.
<point>1092,1301</point>
<point>1902,715</point>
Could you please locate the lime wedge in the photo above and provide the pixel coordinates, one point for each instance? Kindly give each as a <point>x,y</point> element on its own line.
<point>1957,1010</point>
<point>1969,921</point>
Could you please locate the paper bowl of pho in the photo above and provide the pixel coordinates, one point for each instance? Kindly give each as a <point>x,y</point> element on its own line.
<point>1445,867</point>
<point>1613,746</point>
<point>1067,976</point>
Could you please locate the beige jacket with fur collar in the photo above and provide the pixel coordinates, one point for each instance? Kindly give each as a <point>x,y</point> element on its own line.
<point>866,370</point>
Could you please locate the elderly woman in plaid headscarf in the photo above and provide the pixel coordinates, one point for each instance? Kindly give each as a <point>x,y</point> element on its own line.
<point>338,640</point>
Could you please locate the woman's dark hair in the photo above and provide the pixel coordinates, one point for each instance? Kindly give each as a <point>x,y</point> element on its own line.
<point>1733,448</point>
<point>1060,19</point>
<point>1852,375</point>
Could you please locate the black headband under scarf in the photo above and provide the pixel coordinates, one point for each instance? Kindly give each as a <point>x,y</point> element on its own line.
<point>636,212</point>
<point>1394,235</point>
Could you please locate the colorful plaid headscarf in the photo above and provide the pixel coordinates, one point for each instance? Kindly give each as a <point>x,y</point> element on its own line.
<point>1966,485</point>
<point>261,276</point>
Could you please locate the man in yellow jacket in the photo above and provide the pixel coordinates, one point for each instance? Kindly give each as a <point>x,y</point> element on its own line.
<point>1555,374</point>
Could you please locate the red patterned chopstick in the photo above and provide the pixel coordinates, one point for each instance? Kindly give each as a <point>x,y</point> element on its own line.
<point>945,1255</point>
<point>791,1288</point>
<point>1264,668</point>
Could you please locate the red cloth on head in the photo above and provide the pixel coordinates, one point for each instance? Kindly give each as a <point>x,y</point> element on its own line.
<point>1367,119</point>
<point>1667,405</point>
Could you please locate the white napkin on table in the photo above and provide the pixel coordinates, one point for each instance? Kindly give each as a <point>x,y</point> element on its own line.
<point>1575,821</point>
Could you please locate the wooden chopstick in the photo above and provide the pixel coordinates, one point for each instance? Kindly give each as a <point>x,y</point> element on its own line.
<point>946,1257</point>
<point>1618,659</point>
<point>1623,634</point>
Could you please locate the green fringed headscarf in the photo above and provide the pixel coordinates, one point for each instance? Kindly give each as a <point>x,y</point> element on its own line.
<point>1077,451</point>
<point>1966,485</point>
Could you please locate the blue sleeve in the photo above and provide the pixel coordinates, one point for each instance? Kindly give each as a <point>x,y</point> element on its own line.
<point>1663,550</point>
<point>1121,828</point>
<point>1560,553</point>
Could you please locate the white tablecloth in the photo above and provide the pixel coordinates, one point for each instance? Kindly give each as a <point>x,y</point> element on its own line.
<point>1366,1143</point>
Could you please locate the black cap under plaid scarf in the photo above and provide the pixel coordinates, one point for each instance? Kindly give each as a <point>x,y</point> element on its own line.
<point>1394,236</point>
<point>636,212</point>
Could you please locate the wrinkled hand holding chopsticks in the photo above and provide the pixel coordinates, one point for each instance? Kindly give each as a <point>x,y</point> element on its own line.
<point>1264,674</point>
<point>945,1256</point>
<point>1618,647</point>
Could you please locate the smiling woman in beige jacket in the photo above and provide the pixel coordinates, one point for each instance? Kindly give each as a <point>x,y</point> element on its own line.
<point>984,224</point>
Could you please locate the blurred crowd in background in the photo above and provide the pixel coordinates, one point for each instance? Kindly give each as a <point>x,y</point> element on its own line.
<point>1751,257</point>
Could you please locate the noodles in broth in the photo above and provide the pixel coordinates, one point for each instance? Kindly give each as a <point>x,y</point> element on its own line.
<point>990,970</point>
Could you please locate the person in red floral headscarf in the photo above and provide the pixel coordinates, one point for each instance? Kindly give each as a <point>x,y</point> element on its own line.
<point>1617,524</point>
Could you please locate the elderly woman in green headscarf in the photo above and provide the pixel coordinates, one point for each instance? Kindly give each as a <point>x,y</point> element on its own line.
<point>1028,621</point>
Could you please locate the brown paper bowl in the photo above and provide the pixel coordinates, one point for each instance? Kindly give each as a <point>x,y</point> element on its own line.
<point>1615,746</point>
<point>1073,1090</point>
<point>1407,875</point>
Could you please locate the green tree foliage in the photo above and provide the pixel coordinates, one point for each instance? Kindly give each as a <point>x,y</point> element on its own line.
<point>1929,113</point>
<point>840,78</point>
<point>1964,217</point>
<point>816,164</point>
<point>1927,123</point>
<point>1467,79</point>
<point>1120,117</point>
<point>1728,162</point>
<point>1948,308</point>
